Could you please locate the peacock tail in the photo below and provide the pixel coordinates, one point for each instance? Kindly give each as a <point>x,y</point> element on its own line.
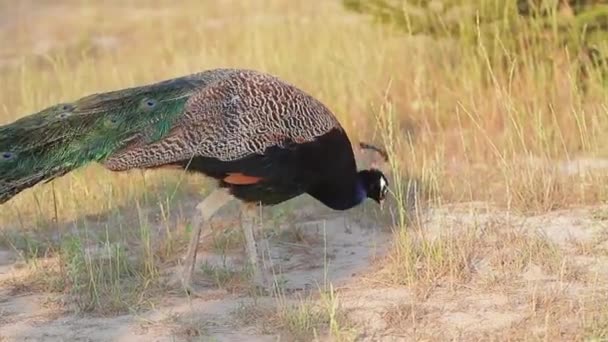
<point>61,138</point>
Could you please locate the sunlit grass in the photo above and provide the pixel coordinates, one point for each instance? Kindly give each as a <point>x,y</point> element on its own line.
<point>448,120</point>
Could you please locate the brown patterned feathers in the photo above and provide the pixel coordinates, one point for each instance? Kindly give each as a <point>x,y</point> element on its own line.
<point>265,140</point>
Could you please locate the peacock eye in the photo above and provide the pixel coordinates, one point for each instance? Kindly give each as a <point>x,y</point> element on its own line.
<point>66,111</point>
<point>150,103</point>
<point>7,155</point>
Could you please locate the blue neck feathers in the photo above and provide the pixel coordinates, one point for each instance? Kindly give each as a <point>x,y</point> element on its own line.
<point>341,197</point>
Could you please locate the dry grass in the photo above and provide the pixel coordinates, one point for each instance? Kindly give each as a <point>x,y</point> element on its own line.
<point>300,319</point>
<point>457,128</point>
<point>494,252</point>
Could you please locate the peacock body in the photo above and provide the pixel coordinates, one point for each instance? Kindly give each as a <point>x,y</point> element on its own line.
<point>262,138</point>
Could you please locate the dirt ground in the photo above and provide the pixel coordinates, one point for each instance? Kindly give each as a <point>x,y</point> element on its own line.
<point>349,249</point>
<point>476,309</point>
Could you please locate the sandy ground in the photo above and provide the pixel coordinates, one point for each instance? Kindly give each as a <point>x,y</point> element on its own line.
<point>349,248</point>
<point>356,251</point>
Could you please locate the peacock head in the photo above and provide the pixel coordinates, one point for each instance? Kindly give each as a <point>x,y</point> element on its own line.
<point>375,184</point>
<point>373,180</point>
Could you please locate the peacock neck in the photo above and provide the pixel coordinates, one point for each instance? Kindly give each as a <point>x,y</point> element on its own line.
<point>342,195</point>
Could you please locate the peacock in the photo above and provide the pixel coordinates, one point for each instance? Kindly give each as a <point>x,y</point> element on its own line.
<point>264,140</point>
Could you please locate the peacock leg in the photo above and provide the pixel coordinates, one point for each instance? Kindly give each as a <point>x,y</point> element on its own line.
<point>250,220</point>
<point>204,212</point>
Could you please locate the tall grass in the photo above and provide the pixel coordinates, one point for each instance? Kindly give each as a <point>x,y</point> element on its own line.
<point>480,136</point>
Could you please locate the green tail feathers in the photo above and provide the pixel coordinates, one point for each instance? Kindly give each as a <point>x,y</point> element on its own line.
<point>61,138</point>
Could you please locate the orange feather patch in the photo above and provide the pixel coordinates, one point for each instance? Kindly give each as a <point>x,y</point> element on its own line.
<point>241,179</point>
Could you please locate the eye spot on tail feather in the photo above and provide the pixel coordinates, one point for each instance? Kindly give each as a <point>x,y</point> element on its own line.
<point>6,155</point>
<point>149,103</point>
<point>237,178</point>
